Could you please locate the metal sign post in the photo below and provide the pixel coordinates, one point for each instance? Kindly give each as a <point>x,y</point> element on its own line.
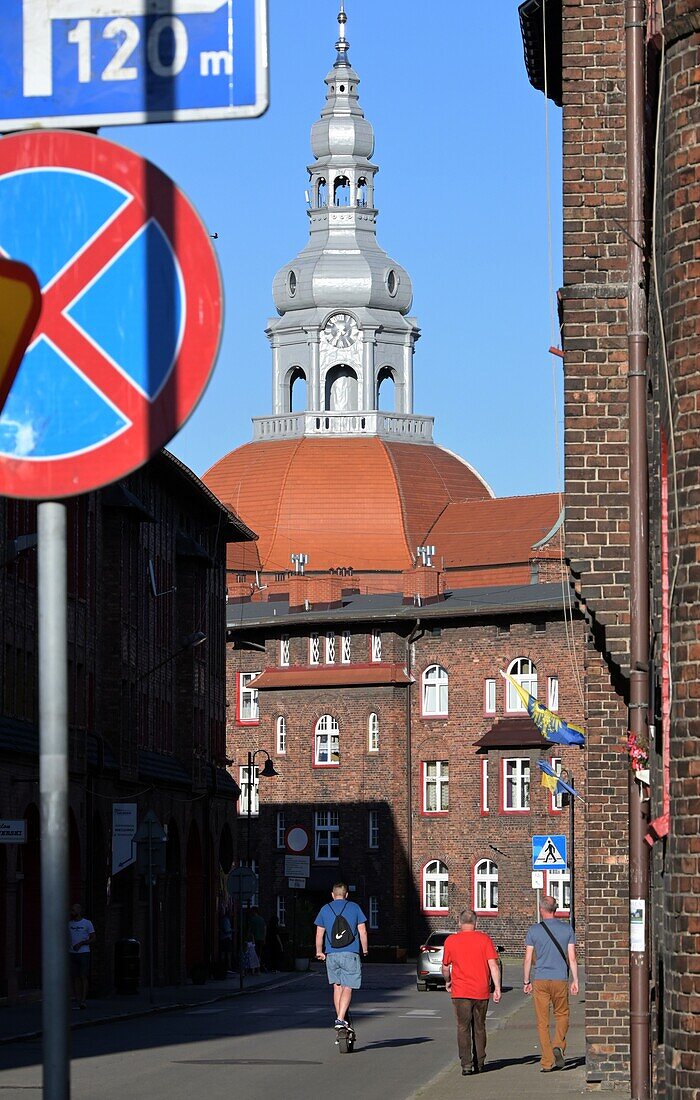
<point>53,790</point>
<point>150,841</point>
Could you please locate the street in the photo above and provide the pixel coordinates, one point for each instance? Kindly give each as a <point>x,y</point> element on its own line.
<point>275,1042</point>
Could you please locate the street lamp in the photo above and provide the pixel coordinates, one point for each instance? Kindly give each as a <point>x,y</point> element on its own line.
<point>268,772</point>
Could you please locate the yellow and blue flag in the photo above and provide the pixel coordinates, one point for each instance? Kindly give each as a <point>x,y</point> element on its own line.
<point>555,782</point>
<point>551,726</point>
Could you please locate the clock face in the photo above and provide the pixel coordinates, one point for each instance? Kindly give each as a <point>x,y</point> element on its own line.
<point>341,330</point>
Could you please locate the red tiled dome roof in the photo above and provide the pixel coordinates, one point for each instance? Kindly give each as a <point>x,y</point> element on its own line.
<point>365,503</point>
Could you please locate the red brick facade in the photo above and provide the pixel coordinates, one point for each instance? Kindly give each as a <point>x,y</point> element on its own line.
<point>391,781</point>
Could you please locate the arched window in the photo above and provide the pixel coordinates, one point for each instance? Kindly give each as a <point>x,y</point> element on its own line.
<point>362,191</point>
<point>435,684</point>
<point>281,734</point>
<point>341,389</point>
<point>486,887</point>
<point>524,673</point>
<point>327,741</point>
<point>435,886</point>
<point>341,191</point>
<point>373,733</point>
<point>321,192</point>
<point>295,391</point>
<point>386,390</point>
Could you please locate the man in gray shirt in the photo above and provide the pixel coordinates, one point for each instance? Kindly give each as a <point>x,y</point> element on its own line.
<point>553,942</point>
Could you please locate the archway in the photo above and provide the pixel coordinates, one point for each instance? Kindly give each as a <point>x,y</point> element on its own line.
<point>226,849</point>
<point>194,928</point>
<point>173,905</point>
<point>341,191</point>
<point>386,390</point>
<point>341,389</point>
<point>96,902</point>
<point>295,391</point>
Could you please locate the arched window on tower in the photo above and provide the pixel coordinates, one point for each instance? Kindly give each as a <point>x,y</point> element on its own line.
<point>386,390</point>
<point>341,389</point>
<point>362,191</point>
<point>341,191</point>
<point>321,192</point>
<point>295,391</point>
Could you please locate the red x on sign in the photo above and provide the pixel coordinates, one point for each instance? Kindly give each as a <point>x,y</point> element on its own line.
<point>131,316</point>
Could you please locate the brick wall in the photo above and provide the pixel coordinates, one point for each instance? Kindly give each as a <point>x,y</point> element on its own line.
<point>679,268</point>
<point>470,653</point>
<point>596,480</point>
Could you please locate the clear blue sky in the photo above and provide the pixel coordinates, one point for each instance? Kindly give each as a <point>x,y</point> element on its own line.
<point>462,200</point>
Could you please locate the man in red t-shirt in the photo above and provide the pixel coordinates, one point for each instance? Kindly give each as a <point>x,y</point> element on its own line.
<point>469,959</point>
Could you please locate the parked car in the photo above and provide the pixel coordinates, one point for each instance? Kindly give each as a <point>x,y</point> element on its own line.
<point>429,965</point>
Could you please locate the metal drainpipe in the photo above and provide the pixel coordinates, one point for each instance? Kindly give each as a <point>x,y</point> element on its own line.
<point>637,344</point>
<point>415,634</point>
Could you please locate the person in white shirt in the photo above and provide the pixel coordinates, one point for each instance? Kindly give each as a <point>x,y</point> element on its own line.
<point>82,936</point>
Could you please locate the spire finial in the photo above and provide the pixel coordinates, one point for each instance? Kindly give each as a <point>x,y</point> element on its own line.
<point>342,44</point>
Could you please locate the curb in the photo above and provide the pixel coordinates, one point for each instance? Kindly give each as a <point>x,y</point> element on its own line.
<point>153,1010</point>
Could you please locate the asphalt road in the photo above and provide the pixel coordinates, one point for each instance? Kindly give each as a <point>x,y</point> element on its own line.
<point>271,1043</point>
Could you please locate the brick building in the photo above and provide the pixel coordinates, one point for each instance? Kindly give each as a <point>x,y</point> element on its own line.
<point>146,635</point>
<point>586,61</point>
<point>370,676</point>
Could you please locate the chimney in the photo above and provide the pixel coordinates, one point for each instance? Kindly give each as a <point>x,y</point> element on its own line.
<point>424,582</point>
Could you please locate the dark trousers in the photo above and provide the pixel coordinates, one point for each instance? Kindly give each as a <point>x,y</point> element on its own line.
<point>468,1013</point>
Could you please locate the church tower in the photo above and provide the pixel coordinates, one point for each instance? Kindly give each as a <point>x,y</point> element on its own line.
<point>343,342</point>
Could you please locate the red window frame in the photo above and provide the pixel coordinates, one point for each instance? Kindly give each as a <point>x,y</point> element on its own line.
<point>425,812</point>
<point>240,721</point>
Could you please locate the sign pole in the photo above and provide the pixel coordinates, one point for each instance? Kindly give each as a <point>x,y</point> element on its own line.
<point>572,863</point>
<point>53,788</point>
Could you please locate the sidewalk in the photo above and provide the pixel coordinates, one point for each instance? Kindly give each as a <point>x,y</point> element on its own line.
<point>23,1021</point>
<point>512,1064</point>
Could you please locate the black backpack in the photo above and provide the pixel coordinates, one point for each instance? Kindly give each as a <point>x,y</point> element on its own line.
<point>341,934</point>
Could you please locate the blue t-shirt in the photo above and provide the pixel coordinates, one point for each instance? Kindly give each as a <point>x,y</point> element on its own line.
<point>353,915</point>
<point>549,965</point>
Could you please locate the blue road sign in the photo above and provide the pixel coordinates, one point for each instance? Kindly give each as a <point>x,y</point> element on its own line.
<point>549,852</point>
<point>131,312</point>
<point>84,63</point>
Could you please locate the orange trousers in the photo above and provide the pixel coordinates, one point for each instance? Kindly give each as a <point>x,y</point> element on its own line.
<point>546,994</point>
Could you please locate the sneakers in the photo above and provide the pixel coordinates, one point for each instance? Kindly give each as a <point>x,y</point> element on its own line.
<point>559,1061</point>
<point>339,1024</point>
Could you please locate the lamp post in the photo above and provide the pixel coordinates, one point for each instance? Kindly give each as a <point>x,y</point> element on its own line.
<point>268,772</point>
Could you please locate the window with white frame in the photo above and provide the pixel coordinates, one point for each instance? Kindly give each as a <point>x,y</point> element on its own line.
<point>490,697</point>
<point>314,649</point>
<point>254,791</point>
<point>436,786</point>
<point>373,733</point>
<point>516,784</point>
<point>486,886</point>
<point>248,710</point>
<point>559,887</point>
<point>280,829</point>
<point>330,648</point>
<point>327,741</point>
<point>373,829</point>
<point>326,834</point>
<point>485,785</point>
<point>435,886</point>
<point>281,735</point>
<point>345,651</point>
<point>556,803</point>
<point>524,673</point>
<point>376,645</point>
<point>435,687</point>
<point>553,692</point>
<point>281,910</point>
<point>284,650</point>
<point>373,912</point>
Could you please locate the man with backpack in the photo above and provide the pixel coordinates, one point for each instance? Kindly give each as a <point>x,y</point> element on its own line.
<point>344,926</point>
<point>554,944</point>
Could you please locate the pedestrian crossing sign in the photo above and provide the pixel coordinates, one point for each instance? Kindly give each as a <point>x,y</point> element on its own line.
<point>549,853</point>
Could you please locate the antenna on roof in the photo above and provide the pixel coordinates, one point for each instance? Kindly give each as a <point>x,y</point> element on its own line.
<point>299,561</point>
<point>426,553</point>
